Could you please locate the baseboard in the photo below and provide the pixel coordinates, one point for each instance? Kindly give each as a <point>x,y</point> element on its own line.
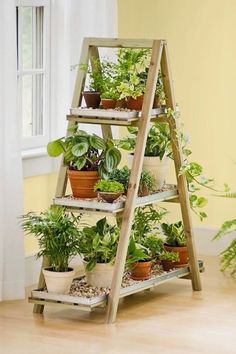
<point>206,245</point>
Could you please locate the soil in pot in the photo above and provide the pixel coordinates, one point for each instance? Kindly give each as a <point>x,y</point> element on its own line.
<point>183,255</point>
<point>135,104</point>
<point>58,282</point>
<point>92,99</point>
<point>83,182</point>
<point>141,270</point>
<point>109,197</point>
<point>108,103</point>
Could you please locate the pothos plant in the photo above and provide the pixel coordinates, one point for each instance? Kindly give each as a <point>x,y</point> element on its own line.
<point>86,152</point>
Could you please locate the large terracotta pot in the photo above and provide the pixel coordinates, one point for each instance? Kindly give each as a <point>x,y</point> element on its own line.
<point>92,99</point>
<point>135,103</point>
<point>83,182</point>
<point>182,252</point>
<point>141,270</point>
<point>101,275</point>
<point>58,282</point>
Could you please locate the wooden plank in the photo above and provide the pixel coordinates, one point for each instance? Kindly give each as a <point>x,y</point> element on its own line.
<point>41,284</point>
<point>120,42</point>
<point>181,179</point>
<point>92,205</point>
<point>38,302</point>
<point>113,298</point>
<point>112,113</point>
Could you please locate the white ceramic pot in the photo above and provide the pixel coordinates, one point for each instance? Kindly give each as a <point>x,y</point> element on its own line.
<point>158,168</point>
<point>101,275</point>
<point>58,282</point>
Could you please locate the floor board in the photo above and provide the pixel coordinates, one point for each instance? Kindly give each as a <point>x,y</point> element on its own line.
<point>168,319</point>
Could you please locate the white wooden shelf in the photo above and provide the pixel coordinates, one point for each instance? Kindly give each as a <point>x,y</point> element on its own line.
<point>166,194</point>
<point>40,296</point>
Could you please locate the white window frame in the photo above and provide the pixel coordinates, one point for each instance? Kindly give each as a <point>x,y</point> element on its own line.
<point>35,146</point>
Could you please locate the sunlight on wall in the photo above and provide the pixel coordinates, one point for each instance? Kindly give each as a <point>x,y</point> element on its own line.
<point>200,36</point>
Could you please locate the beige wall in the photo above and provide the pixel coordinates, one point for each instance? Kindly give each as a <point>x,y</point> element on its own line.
<point>201,39</point>
<point>38,194</point>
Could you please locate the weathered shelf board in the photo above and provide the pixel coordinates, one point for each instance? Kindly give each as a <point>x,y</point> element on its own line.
<point>93,204</point>
<point>41,296</point>
<point>111,113</point>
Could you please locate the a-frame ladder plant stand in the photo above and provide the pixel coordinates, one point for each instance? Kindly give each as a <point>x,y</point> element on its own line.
<point>159,60</point>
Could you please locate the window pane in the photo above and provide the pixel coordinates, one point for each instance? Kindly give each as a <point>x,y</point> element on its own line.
<point>27,37</point>
<point>31,37</point>
<point>32,105</point>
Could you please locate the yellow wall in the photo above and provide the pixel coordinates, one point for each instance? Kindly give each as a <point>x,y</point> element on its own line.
<point>202,46</point>
<point>38,194</point>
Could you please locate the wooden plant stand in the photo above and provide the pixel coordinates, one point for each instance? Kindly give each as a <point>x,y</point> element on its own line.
<point>125,211</point>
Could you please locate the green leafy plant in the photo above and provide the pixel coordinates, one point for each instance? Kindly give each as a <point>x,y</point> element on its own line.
<point>95,74</point>
<point>136,252</point>
<point>175,235</point>
<point>158,140</point>
<point>109,186</point>
<point>146,219</point>
<point>169,256</point>
<point>86,152</point>
<point>57,233</point>
<point>123,175</point>
<point>98,243</point>
<point>155,244</point>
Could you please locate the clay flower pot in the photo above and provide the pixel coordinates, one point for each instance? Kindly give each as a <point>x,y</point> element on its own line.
<point>141,270</point>
<point>109,197</point>
<point>83,182</point>
<point>92,99</point>
<point>135,104</point>
<point>167,265</point>
<point>108,103</point>
<point>58,282</point>
<point>183,255</point>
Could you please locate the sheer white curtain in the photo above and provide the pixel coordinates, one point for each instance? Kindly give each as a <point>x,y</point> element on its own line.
<point>12,269</point>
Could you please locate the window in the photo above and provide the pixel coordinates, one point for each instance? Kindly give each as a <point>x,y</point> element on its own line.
<point>33,65</point>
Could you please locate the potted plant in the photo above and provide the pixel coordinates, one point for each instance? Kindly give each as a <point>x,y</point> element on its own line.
<point>169,260</point>
<point>139,261</point>
<point>146,184</point>
<point>155,243</point>
<point>160,97</point>
<point>98,246</point>
<point>92,95</point>
<point>132,69</point>
<point>109,190</point>
<point>88,157</point>
<point>58,236</point>
<point>176,241</point>
<point>157,151</point>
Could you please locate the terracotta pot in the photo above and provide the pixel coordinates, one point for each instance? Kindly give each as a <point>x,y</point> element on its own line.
<point>167,265</point>
<point>108,103</point>
<point>156,102</point>
<point>58,282</point>
<point>141,270</point>
<point>183,255</point>
<point>143,191</point>
<point>83,182</point>
<point>135,104</point>
<point>92,99</point>
<point>109,197</point>
<point>121,103</point>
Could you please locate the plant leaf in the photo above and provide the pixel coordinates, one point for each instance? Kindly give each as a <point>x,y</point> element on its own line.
<point>80,149</point>
<point>55,148</point>
<point>97,142</point>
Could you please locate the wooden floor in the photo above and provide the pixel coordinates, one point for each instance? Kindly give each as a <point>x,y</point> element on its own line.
<point>168,319</point>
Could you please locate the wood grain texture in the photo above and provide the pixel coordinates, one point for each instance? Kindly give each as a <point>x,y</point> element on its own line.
<point>168,319</point>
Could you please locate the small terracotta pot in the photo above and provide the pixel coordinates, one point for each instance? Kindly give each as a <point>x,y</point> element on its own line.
<point>156,102</point>
<point>109,197</point>
<point>167,265</point>
<point>83,182</point>
<point>135,104</point>
<point>182,252</point>
<point>121,103</point>
<point>143,191</point>
<point>141,270</point>
<point>92,99</point>
<point>108,103</point>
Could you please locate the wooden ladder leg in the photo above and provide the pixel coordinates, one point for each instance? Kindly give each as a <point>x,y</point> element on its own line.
<point>114,295</point>
<point>181,179</point>
<point>41,284</point>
